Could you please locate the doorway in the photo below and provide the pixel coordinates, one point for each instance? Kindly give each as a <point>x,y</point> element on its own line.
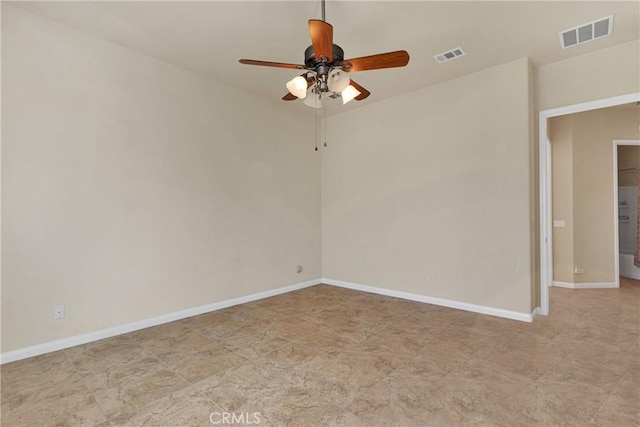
<point>625,205</point>
<point>545,177</point>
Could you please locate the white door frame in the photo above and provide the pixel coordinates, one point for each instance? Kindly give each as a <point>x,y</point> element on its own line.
<point>546,229</point>
<point>616,144</point>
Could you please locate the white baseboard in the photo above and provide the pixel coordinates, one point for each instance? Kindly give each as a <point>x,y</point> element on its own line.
<point>498,312</point>
<point>536,312</point>
<point>588,285</point>
<point>48,347</point>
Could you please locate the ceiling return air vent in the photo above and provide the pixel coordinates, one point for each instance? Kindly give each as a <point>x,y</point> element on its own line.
<point>449,55</point>
<point>585,33</point>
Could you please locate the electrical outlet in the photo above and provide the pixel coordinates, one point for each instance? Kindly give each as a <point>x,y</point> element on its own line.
<point>578,270</point>
<point>299,269</point>
<point>58,311</point>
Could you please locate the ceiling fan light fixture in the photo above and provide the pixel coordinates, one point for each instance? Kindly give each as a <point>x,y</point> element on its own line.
<point>326,68</point>
<point>298,87</point>
<point>313,100</point>
<point>338,80</point>
<point>349,93</point>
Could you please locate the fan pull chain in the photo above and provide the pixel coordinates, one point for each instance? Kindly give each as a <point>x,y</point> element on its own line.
<point>315,122</point>
<point>324,110</point>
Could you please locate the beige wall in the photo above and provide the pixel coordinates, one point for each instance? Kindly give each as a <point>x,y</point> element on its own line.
<point>561,135</point>
<point>628,158</point>
<point>601,74</point>
<point>427,193</point>
<point>534,201</point>
<point>590,190</point>
<point>132,188</point>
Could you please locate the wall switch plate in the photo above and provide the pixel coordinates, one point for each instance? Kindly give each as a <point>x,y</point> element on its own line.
<point>58,311</point>
<point>559,223</point>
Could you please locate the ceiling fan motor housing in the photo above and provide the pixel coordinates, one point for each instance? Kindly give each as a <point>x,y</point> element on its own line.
<point>311,61</point>
<point>321,66</point>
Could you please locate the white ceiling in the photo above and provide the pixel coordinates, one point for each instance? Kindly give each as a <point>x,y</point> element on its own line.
<point>209,37</point>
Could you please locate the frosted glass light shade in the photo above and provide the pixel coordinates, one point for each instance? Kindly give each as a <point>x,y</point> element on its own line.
<point>313,100</point>
<point>298,87</point>
<point>349,93</point>
<point>338,80</point>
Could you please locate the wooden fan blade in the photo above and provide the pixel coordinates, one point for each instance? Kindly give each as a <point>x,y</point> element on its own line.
<point>271,64</point>
<point>291,97</point>
<point>399,58</point>
<point>321,39</point>
<point>363,92</point>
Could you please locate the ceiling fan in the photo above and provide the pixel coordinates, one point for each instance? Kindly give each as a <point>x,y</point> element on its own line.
<point>326,70</point>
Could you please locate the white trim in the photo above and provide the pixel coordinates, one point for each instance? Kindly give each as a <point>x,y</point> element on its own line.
<point>35,350</point>
<point>627,267</point>
<point>546,231</point>
<point>616,237</point>
<point>591,105</point>
<point>586,285</point>
<point>498,312</point>
<point>558,284</point>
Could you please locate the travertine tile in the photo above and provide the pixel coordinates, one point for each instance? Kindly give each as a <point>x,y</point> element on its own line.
<point>495,381</point>
<point>78,409</point>
<point>221,326</point>
<point>287,355</point>
<point>328,340</point>
<point>23,399</point>
<point>39,371</point>
<point>613,335</point>
<point>331,356</point>
<point>172,336</point>
<point>185,407</point>
<point>426,323</point>
<point>291,327</point>
<point>531,365</point>
<point>247,388</point>
<point>254,346</point>
<point>322,371</point>
<point>359,370</point>
<point>629,385</point>
<point>409,342</point>
<point>468,402</point>
<point>135,391</point>
<point>204,321</point>
<point>601,375</point>
<point>378,406</point>
<point>97,357</point>
<point>561,403</point>
<point>617,411</point>
<point>67,402</point>
<point>195,365</point>
<point>113,375</point>
<point>289,412</point>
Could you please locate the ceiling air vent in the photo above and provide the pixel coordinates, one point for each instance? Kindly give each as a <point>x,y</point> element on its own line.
<point>449,55</point>
<point>585,33</point>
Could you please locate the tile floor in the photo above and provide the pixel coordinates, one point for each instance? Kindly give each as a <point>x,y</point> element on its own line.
<point>331,356</point>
